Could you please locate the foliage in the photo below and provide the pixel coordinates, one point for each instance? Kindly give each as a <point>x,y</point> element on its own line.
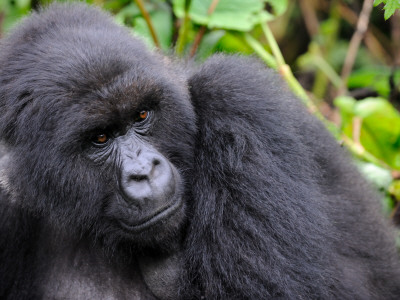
<point>390,6</point>
<point>312,38</point>
<point>228,14</point>
<point>375,124</point>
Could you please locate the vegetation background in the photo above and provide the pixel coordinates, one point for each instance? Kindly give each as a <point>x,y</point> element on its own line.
<point>340,57</point>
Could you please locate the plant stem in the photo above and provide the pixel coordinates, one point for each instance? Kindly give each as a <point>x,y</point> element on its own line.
<point>202,31</point>
<point>327,69</point>
<point>285,70</point>
<point>146,16</point>
<point>298,90</point>
<point>362,26</point>
<point>183,30</point>
<point>273,44</point>
<point>261,52</point>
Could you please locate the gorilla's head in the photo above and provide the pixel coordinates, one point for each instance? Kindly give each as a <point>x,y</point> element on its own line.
<point>99,131</point>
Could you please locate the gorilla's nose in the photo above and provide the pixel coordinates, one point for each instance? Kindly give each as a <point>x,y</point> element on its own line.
<point>147,180</point>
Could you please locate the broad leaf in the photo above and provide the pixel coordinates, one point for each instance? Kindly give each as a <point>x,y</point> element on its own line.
<point>228,14</point>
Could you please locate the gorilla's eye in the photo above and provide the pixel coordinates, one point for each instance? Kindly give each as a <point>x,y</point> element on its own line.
<point>100,139</point>
<point>141,116</point>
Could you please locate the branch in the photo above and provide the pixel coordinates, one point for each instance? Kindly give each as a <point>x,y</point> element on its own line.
<point>202,31</point>
<point>183,30</point>
<point>197,40</point>
<point>261,52</point>
<point>298,90</point>
<point>146,16</point>
<point>362,26</point>
<point>373,37</point>
<point>309,17</point>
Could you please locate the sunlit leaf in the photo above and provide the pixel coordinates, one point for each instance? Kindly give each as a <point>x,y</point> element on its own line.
<point>23,4</point>
<point>394,189</point>
<point>228,14</point>
<point>380,132</point>
<point>377,2</point>
<point>390,7</point>
<point>209,43</point>
<point>128,11</point>
<point>380,177</point>
<point>346,109</point>
<point>278,6</point>
<point>380,126</point>
<point>162,22</point>
<point>233,43</point>
<point>373,77</point>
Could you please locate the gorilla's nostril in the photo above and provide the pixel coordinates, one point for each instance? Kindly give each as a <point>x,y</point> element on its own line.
<point>156,162</point>
<point>137,177</point>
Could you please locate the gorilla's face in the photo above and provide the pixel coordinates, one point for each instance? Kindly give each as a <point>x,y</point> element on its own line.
<point>150,187</point>
<point>145,197</point>
<point>109,130</point>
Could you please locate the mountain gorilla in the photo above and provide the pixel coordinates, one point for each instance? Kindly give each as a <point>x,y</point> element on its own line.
<point>125,175</point>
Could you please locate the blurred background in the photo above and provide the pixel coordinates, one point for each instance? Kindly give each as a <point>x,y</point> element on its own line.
<point>340,57</point>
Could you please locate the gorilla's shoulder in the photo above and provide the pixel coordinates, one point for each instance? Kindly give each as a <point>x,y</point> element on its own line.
<point>239,89</point>
<point>234,72</point>
<point>240,77</point>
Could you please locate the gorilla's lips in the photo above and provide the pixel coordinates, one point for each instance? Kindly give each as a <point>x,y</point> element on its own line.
<point>157,217</point>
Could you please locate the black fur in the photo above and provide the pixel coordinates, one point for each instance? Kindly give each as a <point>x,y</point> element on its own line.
<point>273,207</point>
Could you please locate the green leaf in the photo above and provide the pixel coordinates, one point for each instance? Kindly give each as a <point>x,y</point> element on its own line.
<point>377,108</point>
<point>380,126</point>
<point>390,7</point>
<point>380,177</point>
<point>346,108</point>
<point>23,4</point>
<point>178,6</point>
<point>129,11</point>
<point>380,132</point>
<point>232,42</point>
<point>377,2</point>
<point>388,205</point>
<point>372,77</point>
<point>162,22</point>
<point>209,43</point>
<point>345,104</point>
<point>278,6</point>
<point>394,189</point>
<point>228,14</point>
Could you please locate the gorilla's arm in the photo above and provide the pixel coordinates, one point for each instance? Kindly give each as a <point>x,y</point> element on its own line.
<point>269,180</point>
<point>19,235</point>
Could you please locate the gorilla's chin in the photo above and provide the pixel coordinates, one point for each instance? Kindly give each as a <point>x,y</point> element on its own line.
<point>162,216</point>
<point>160,231</point>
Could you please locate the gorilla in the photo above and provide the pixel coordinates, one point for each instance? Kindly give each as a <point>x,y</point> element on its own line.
<point>125,174</point>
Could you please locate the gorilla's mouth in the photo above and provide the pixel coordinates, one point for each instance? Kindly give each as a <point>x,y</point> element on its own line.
<point>151,220</point>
